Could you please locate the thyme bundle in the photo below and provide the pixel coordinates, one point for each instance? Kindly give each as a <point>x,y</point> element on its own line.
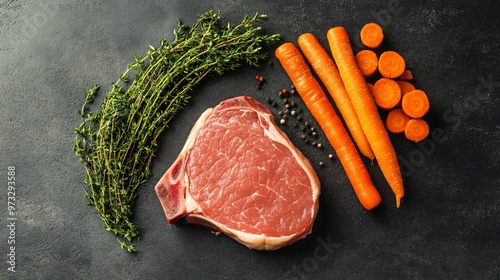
<point>117,143</point>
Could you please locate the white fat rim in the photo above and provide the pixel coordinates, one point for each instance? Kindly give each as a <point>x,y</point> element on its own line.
<point>254,241</point>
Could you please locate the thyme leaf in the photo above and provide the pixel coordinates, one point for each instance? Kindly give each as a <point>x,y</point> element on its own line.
<point>117,144</point>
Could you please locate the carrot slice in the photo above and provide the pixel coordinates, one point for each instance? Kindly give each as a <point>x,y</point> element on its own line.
<point>322,110</point>
<point>405,87</point>
<point>367,62</point>
<point>406,76</point>
<point>371,35</point>
<point>416,130</point>
<point>415,103</point>
<point>386,93</point>
<point>391,64</point>
<point>396,121</point>
<point>366,109</point>
<point>370,87</point>
<point>328,73</point>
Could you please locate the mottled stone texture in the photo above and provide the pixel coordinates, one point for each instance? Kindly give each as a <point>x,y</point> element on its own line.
<point>447,227</point>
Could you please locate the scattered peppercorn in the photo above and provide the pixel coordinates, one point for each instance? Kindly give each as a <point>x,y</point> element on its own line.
<point>260,81</point>
<point>292,109</point>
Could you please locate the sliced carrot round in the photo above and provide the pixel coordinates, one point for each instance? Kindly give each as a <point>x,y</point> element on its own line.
<point>386,93</point>
<point>415,103</point>
<point>391,64</point>
<point>371,35</point>
<point>396,121</point>
<point>416,130</point>
<point>370,87</point>
<point>405,87</point>
<point>406,76</point>
<point>367,62</point>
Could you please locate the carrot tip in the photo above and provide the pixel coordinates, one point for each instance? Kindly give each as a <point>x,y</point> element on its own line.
<point>398,201</point>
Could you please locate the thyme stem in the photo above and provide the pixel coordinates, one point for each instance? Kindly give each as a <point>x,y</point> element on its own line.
<point>117,143</point>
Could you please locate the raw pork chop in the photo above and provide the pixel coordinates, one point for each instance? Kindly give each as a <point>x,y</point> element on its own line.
<point>239,174</point>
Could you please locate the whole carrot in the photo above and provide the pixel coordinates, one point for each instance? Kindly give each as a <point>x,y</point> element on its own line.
<point>322,110</point>
<point>329,75</point>
<point>366,109</point>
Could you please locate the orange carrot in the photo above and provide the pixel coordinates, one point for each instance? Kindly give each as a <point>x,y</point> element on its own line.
<point>327,71</point>
<point>396,121</point>
<point>406,76</point>
<point>386,93</point>
<point>370,87</point>
<point>391,64</point>
<point>405,87</point>
<point>416,130</point>
<point>367,62</point>
<point>322,110</point>
<point>366,109</point>
<point>371,35</point>
<point>415,103</point>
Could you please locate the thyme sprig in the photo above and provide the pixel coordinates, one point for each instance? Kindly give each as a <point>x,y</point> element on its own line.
<point>117,143</point>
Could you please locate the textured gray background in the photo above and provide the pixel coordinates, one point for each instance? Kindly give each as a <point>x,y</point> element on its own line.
<point>448,226</point>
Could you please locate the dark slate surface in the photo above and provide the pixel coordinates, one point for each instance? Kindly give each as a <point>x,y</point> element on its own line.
<point>447,228</point>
